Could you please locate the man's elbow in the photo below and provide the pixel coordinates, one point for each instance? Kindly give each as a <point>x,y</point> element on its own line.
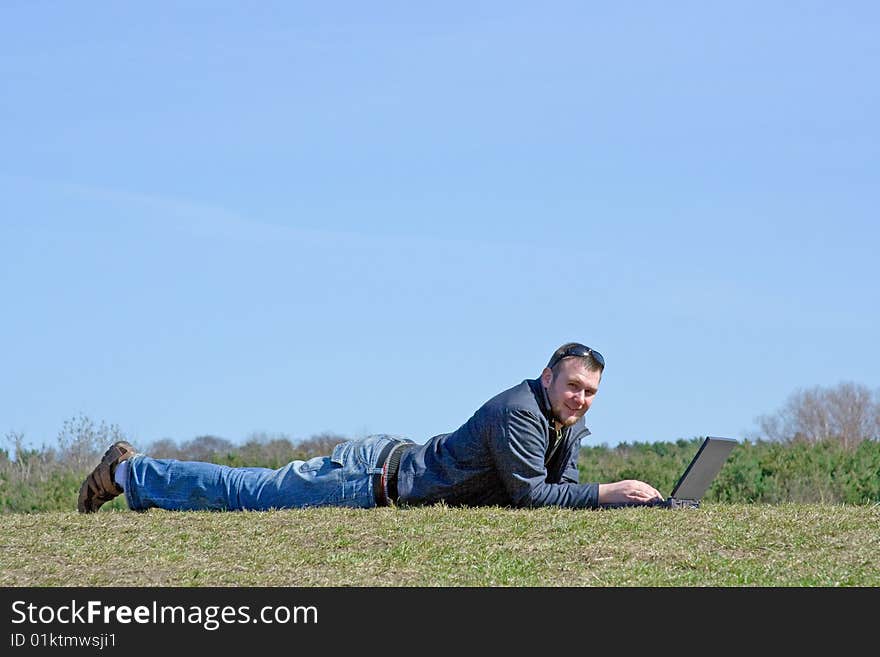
<point>534,496</point>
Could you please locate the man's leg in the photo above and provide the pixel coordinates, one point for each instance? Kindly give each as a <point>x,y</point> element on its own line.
<point>343,479</point>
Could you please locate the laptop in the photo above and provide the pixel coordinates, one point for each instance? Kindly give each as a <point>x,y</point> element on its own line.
<point>695,481</point>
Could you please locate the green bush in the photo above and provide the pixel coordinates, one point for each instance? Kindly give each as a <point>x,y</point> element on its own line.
<point>48,479</point>
<point>762,471</point>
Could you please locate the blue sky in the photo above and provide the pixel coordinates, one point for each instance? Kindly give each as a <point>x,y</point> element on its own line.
<point>226,218</point>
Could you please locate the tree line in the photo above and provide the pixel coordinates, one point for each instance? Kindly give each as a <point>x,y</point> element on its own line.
<point>822,445</point>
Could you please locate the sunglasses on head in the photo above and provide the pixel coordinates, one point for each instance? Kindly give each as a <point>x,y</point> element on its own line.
<point>579,351</point>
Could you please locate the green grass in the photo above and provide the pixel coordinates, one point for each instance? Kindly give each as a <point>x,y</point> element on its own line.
<point>716,545</point>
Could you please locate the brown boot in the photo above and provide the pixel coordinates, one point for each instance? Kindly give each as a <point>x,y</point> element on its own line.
<point>99,486</point>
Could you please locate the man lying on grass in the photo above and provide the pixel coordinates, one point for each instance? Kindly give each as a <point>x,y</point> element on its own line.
<point>519,449</point>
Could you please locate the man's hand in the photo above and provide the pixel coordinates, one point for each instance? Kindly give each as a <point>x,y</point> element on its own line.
<point>627,491</point>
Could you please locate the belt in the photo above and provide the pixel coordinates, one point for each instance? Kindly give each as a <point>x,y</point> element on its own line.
<point>385,482</point>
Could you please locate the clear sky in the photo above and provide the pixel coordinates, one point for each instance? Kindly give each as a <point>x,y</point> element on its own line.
<point>226,217</point>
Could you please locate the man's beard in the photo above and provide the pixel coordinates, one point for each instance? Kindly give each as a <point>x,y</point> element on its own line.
<point>573,417</point>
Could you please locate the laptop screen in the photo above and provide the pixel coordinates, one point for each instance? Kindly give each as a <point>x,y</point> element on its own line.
<point>703,468</point>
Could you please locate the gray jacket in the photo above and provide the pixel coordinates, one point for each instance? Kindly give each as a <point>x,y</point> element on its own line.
<point>506,454</point>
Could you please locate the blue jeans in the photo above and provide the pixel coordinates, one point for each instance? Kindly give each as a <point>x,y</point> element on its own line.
<point>343,479</point>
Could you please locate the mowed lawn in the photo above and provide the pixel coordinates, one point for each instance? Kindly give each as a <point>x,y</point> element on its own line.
<point>716,545</point>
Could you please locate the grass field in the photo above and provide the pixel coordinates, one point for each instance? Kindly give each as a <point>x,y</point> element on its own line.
<point>716,545</point>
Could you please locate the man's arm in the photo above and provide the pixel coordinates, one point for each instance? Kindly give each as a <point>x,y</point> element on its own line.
<point>518,446</point>
<point>518,443</point>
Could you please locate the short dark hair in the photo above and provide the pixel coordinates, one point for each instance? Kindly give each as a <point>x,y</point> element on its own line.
<point>592,359</point>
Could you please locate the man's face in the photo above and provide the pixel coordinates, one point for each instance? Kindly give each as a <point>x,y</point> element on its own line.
<point>571,391</point>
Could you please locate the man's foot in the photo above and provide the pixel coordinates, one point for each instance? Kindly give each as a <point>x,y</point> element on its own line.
<point>99,486</point>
